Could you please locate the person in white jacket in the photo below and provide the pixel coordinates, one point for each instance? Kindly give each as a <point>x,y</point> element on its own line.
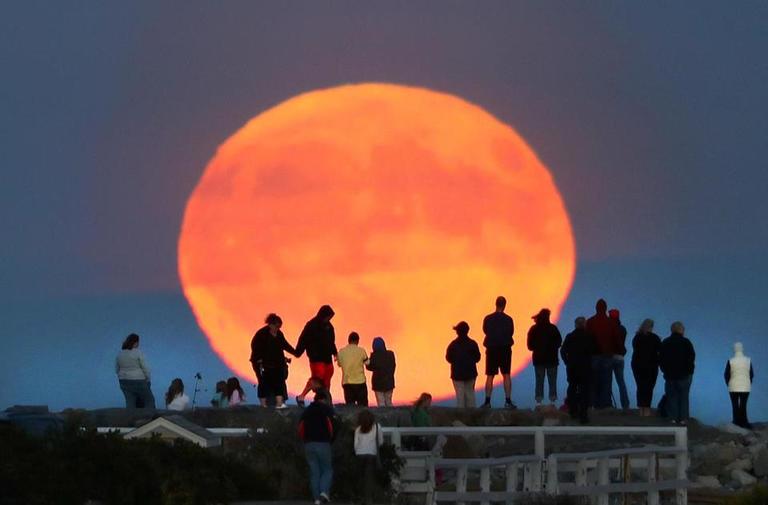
<point>175,399</point>
<point>738,377</point>
<point>368,440</point>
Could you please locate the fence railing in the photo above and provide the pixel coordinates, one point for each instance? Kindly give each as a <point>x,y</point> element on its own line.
<point>584,473</point>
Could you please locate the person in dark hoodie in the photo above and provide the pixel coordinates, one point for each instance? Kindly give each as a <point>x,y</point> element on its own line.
<point>577,351</point>
<point>316,431</point>
<point>318,338</point>
<point>677,362</point>
<point>269,362</point>
<point>646,346</point>
<point>544,340</point>
<point>463,354</point>
<point>382,364</point>
<point>499,329</point>
<point>604,330</point>
<point>617,359</point>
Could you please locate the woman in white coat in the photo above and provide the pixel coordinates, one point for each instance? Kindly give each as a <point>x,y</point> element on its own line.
<point>738,376</point>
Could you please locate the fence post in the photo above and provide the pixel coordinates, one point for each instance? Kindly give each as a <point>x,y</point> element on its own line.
<point>681,442</point>
<point>581,472</point>
<point>552,480</point>
<point>540,451</point>
<point>461,481</point>
<point>653,496</point>
<point>511,482</point>
<point>485,482</point>
<point>396,439</point>
<point>603,479</point>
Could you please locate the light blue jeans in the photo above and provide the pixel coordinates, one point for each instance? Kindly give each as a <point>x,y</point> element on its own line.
<point>617,365</point>
<point>320,462</point>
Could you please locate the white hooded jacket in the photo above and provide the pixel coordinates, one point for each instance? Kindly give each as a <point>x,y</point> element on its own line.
<point>738,371</point>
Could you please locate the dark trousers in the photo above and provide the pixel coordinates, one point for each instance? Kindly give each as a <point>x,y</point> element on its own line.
<point>367,467</point>
<point>739,404</point>
<point>677,391</point>
<point>646,382</point>
<point>602,382</point>
<point>138,394</point>
<point>551,373</point>
<point>578,394</point>
<point>356,394</point>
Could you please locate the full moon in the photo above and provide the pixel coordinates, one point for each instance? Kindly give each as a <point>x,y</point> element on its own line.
<point>405,209</point>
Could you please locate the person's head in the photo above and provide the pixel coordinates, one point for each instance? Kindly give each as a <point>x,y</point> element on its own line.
<point>614,314</point>
<point>379,344</point>
<point>501,303</point>
<point>175,389</point>
<point>542,316</point>
<point>221,387</point>
<point>353,338</point>
<point>424,401</point>
<point>325,313</point>
<point>131,342</point>
<point>365,420</point>
<point>233,384</point>
<point>601,306</point>
<point>677,327</point>
<point>738,348</point>
<point>646,326</point>
<point>321,395</point>
<point>580,323</point>
<point>462,329</point>
<point>274,322</point>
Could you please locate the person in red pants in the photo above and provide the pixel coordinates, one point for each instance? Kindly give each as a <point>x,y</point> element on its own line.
<point>318,339</point>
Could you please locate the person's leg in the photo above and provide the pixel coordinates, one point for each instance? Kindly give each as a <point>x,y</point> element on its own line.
<point>552,382</point>
<point>381,400</point>
<point>505,366</point>
<point>607,382</point>
<point>327,374</point>
<point>458,387</point>
<point>348,394</point>
<point>388,397</point>
<point>743,410</point>
<point>673,404</point>
<point>595,382</point>
<point>573,394</point>
<point>147,398</point>
<point>469,392</point>
<point>326,469</point>
<point>618,371</point>
<point>363,399</point>
<point>369,478</point>
<point>539,390</point>
<point>488,389</point>
<point>734,408</point>
<point>129,394</point>
<point>685,389</point>
<point>507,387</point>
<point>313,460</point>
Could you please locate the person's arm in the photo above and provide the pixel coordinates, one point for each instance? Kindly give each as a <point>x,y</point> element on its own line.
<point>559,339</point>
<point>751,372</point>
<point>727,373</point>
<point>477,353</point>
<point>449,353</point>
<point>334,351</point>
<point>371,365</point>
<point>145,367</point>
<point>301,344</point>
<point>530,339</point>
<point>286,346</point>
<point>117,365</point>
<point>564,350</point>
<point>485,331</point>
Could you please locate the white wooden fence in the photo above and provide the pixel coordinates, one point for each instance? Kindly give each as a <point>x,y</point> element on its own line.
<point>597,474</point>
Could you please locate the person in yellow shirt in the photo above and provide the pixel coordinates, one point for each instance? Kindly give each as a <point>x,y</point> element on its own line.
<point>352,360</point>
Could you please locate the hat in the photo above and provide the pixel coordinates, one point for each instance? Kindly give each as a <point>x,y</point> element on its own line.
<point>462,328</point>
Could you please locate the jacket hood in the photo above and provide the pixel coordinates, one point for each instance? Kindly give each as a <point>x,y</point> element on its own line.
<point>379,344</point>
<point>325,311</point>
<point>738,349</point>
<point>601,306</point>
<point>614,314</point>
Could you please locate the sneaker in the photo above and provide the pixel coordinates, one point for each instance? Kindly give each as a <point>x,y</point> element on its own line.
<point>324,498</point>
<point>486,405</point>
<point>299,402</point>
<point>283,406</point>
<point>510,405</point>
<point>317,502</point>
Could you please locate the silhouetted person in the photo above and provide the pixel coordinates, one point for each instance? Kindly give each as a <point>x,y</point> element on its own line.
<point>463,354</point>
<point>617,359</point>
<point>134,375</point>
<point>352,359</point>
<point>577,351</point>
<point>316,431</point>
<point>604,330</point>
<point>175,399</point>
<point>269,362</point>
<point>738,376</point>
<point>646,347</point>
<point>382,364</point>
<point>318,338</point>
<point>498,328</point>
<point>677,362</point>
<point>544,340</point>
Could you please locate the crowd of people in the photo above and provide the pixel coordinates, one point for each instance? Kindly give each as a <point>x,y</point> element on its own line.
<point>593,354</point>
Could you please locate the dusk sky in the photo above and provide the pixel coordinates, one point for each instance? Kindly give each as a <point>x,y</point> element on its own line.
<point>652,118</point>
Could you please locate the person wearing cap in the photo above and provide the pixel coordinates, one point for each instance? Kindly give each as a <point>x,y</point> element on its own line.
<point>738,376</point>
<point>544,341</point>
<point>382,364</point>
<point>463,354</point>
<point>619,350</point>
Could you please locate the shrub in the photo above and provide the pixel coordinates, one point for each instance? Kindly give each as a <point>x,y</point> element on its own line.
<point>755,496</point>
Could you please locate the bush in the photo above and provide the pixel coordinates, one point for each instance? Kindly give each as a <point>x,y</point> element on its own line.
<point>756,496</point>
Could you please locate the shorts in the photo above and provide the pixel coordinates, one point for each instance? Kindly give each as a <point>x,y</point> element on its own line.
<point>498,359</point>
<point>323,371</point>
<point>272,382</point>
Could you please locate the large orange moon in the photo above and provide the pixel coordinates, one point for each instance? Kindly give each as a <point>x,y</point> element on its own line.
<point>405,209</point>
